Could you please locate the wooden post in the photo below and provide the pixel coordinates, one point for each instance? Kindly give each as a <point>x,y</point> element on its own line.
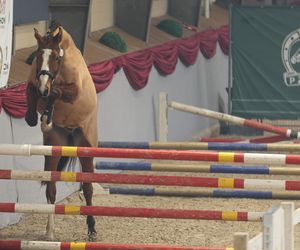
<point>240,241</point>
<point>163,117</point>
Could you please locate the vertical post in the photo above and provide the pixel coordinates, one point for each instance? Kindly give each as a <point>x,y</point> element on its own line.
<point>163,117</point>
<point>288,208</point>
<point>230,78</point>
<point>206,7</point>
<point>240,241</point>
<point>88,30</point>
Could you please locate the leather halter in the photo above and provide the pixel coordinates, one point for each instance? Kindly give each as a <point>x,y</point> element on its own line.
<point>46,72</point>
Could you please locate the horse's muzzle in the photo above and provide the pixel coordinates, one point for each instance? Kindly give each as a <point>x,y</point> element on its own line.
<point>45,93</point>
<point>45,79</point>
<point>44,86</point>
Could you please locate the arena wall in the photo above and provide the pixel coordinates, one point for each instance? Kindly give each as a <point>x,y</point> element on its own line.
<point>126,114</point>
<point>24,34</point>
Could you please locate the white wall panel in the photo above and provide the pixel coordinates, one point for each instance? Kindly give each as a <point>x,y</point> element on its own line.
<point>102,14</point>
<point>159,8</point>
<point>8,189</point>
<point>24,35</point>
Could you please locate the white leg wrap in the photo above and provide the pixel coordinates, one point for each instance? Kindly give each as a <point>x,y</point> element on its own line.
<point>44,126</point>
<point>50,227</point>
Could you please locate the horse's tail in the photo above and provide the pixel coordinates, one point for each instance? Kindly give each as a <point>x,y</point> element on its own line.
<point>66,161</point>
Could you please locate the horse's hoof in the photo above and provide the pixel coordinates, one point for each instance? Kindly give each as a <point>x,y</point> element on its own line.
<point>45,127</point>
<point>81,196</point>
<point>92,236</point>
<point>49,237</point>
<point>31,119</point>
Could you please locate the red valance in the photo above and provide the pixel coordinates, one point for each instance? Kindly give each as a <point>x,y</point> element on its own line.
<point>188,49</point>
<point>165,58</point>
<point>136,65</point>
<point>13,100</point>
<point>102,74</point>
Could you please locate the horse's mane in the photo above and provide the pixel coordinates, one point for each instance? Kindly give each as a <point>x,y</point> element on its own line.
<point>67,40</point>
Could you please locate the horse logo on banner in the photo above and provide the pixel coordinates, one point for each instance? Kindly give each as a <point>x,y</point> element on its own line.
<point>290,54</point>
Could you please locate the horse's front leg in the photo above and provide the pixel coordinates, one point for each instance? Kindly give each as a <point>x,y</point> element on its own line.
<point>46,117</point>
<point>51,165</point>
<point>87,166</point>
<point>31,116</point>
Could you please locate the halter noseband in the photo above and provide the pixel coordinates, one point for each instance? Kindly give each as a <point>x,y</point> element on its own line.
<point>45,72</point>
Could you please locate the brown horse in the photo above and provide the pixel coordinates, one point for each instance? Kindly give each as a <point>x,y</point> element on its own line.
<point>61,89</point>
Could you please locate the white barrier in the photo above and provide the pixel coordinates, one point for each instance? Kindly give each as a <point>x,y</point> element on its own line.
<point>278,230</point>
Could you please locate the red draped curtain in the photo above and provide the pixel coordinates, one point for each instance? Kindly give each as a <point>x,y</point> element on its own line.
<point>13,100</point>
<point>136,65</point>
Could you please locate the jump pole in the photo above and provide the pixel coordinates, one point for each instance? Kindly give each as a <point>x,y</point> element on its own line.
<point>198,168</point>
<point>38,245</point>
<point>238,146</point>
<point>161,180</point>
<point>264,139</point>
<point>248,158</point>
<point>289,133</point>
<point>214,193</point>
<point>130,212</point>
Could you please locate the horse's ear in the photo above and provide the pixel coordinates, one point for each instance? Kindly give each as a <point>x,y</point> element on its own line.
<point>37,36</point>
<point>57,38</point>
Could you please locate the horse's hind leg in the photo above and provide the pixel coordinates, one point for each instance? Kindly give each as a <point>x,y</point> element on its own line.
<point>87,166</point>
<point>53,137</point>
<point>50,165</point>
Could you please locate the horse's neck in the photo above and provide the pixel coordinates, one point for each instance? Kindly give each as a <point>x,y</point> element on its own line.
<point>72,59</point>
<point>67,41</point>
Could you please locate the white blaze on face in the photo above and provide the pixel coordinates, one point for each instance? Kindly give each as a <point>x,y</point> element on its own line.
<point>45,66</point>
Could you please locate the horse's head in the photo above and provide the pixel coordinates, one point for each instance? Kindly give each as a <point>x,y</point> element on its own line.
<point>48,59</point>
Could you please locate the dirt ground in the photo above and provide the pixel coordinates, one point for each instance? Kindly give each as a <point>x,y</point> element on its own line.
<point>149,230</point>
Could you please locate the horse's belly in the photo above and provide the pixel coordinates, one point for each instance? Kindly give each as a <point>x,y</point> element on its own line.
<point>71,116</point>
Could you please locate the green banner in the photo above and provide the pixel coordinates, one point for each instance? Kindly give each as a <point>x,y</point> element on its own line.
<point>265,53</point>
